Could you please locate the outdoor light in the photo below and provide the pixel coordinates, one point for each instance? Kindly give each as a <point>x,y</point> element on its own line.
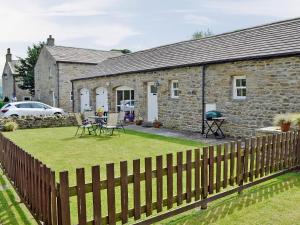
<point>107,83</point>
<point>156,83</point>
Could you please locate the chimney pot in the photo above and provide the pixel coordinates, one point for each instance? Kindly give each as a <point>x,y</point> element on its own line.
<point>8,55</point>
<point>50,41</point>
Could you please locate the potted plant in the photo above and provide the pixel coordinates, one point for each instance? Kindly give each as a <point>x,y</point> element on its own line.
<point>156,123</point>
<point>139,120</point>
<point>284,121</point>
<point>100,111</point>
<point>297,120</point>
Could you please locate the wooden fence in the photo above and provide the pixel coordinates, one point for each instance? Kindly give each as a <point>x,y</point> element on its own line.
<point>33,180</point>
<point>164,187</point>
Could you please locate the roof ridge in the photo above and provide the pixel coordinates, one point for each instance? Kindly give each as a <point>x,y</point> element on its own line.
<point>210,37</point>
<point>80,48</point>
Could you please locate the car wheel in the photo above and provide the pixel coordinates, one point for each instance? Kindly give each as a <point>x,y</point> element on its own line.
<point>15,116</point>
<point>57,114</point>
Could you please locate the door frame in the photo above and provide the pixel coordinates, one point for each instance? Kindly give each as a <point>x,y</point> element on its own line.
<point>88,94</point>
<point>102,88</point>
<point>148,92</point>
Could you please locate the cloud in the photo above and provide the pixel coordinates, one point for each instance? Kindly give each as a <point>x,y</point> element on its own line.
<point>274,8</point>
<point>80,8</point>
<point>197,19</point>
<point>35,23</point>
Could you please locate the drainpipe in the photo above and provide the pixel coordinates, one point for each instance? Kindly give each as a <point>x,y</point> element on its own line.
<point>73,106</point>
<point>57,85</point>
<point>203,97</point>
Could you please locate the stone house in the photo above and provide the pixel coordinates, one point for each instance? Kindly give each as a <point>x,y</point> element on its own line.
<point>248,75</point>
<point>57,65</point>
<point>10,86</point>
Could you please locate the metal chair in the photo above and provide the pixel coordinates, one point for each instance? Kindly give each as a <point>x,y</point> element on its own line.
<point>121,121</point>
<point>112,122</point>
<point>83,125</point>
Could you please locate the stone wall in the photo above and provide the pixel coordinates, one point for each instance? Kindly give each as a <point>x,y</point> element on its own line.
<point>67,72</point>
<point>46,79</point>
<point>183,113</point>
<point>27,122</point>
<point>54,77</point>
<point>8,85</point>
<point>273,86</point>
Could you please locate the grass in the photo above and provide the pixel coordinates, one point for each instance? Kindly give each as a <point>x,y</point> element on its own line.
<point>273,202</point>
<point>60,150</point>
<point>12,211</point>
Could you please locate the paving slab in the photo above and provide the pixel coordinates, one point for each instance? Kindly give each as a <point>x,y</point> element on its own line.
<point>196,136</point>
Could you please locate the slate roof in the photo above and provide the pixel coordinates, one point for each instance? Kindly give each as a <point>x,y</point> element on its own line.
<point>12,65</point>
<point>80,55</point>
<point>279,38</point>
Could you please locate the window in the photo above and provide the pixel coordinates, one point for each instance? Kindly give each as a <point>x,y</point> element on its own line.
<point>174,89</point>
<point>239,87</point>
<point>123,93</point>
<point>50,72</point>
<point>23,106</point>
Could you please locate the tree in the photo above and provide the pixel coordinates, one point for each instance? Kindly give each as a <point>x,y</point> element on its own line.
<point>124,51</point>
<point>25,70</point>
<point>202,34</point>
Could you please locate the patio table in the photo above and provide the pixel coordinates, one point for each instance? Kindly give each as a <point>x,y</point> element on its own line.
<point>100,120</point>
<point>215,127</point>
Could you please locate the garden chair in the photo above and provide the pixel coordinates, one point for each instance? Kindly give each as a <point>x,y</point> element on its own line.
<point>112,122</point>
<point>83,125</point>
<point>121,121</point>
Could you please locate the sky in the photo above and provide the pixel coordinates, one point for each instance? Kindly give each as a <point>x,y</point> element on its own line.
<point>131,24</point>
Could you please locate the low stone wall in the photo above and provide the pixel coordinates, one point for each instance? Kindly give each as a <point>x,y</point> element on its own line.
<point>27,122</point>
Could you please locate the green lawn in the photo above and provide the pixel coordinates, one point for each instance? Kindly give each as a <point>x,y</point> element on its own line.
<point>275,202</point>
<point>60,150</point>
<point>12,211</point>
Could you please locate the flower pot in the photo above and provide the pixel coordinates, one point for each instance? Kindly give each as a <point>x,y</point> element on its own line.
<point>156,125</point>
<point>285,127</point>
<point>138,122</point>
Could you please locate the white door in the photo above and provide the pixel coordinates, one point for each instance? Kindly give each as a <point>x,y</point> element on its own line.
<point>152,102</point>
<point>101,98</point>
<point>84,99</point>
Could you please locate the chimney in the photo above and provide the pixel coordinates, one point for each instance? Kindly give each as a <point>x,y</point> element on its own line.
<point>50,41</point>
<point>8,55</point>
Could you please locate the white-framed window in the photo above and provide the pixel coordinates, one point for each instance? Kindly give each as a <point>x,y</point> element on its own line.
<point>123,93</point>
<point>50,72</point>
<point>174,89</point>
<point>239,87</point>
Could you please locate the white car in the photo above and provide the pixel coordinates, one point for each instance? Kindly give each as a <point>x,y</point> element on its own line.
<point>127,105</point>
<point>30,108</point>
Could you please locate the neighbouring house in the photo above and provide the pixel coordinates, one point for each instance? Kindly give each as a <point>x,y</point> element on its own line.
<point>10,88</point>
<point>249,75</point>
<point>57,65</point>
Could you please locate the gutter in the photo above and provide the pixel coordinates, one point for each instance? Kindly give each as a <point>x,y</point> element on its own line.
<point>203,97</point>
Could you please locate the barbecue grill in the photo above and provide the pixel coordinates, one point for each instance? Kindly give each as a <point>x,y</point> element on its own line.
<point>212,114</point>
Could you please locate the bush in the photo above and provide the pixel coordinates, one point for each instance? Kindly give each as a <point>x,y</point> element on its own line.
<point>10,126</point>
<point>1,104</point>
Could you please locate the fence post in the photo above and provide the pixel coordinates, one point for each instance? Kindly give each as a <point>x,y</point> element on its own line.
<point>204,177</point>
<point>64,198</point>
